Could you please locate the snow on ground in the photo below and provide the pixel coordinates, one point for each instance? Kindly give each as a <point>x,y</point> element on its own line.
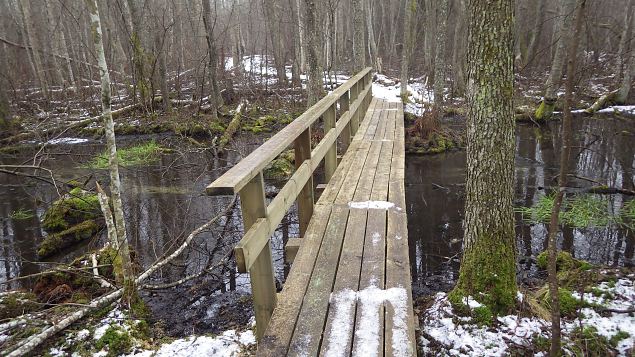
<point>381,205</point>
<point>459,336</point>
<point>66,141</point>
<point>228,344</point>
<point>387,89</point>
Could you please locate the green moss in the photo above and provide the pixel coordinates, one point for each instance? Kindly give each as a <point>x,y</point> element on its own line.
<point>568,304</point>
<point>282,167</point>
<point>541,343</point>
<point>483,316</point>
<point>585,341</point>
<point>76,207</point>
<point>138,155</point>
<point>17,303</point>
<point>116,339</point>
<point>619,336</point>
<point>564,261</point>
<point>56,242</point>
<point>141,330</point>
<point>21,214</point>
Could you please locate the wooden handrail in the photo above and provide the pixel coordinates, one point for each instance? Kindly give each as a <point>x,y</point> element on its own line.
<point>253,252</point>
<point>238,176</point>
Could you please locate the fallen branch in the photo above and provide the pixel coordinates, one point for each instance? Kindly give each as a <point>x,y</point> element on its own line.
<point>27,345</point>
<point>233,126</point>
<point>602,102</point>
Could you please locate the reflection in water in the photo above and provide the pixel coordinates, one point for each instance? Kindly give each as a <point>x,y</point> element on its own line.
<point>435,199</point>
<point>163,203</point>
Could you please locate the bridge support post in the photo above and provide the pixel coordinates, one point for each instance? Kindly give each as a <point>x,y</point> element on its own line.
<point>263,286</point>
<point>330,160</point>
<point>302,149</point>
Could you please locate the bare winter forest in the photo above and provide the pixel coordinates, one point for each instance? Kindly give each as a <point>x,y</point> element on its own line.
<point>149,147</point>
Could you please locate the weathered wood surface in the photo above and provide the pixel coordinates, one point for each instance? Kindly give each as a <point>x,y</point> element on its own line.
<point>349,288</point>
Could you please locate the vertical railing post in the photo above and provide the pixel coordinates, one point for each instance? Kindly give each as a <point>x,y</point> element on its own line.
<point>355,115</point>
<point>330,160</point>
<point>344,107</point>
<point>263,285</point>
<point>302,149</point>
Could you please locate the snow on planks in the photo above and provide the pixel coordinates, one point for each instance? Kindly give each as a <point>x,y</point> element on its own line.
<point>349,290</point>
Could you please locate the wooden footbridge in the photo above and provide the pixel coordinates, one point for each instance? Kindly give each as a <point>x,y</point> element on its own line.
<point>349,289</point>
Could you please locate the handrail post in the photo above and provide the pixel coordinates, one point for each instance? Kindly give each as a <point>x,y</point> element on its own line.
<point>345,104</point>
<point>302,149</point>
<point>263,286</point>
<point>355,116</point>
<point>330,160</point>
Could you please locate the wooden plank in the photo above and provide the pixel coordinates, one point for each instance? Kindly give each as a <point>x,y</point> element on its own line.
<point>347,134</point>
<point>308,331</point>
<point>238,176</point>
<point>276,340</point>
<point>399,331</point>
<point>349,266</point>
<point>305,199</point>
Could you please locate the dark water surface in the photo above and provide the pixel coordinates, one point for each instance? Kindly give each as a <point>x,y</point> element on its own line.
<point>435,188</point>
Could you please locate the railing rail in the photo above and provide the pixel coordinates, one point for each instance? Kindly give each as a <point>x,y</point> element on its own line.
<point>253,252</point>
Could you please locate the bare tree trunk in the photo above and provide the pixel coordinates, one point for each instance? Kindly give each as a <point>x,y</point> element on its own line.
<point>359,54</point>
<point>565,156</point>
<point>545,110</point>
<point>537,29</point>
<point>372,44</point>
<point>215,99</point>
<point>64,46</point>
<point>138,53</point>
<point>488,266</point>
<point>628,51</point>
<point>34,44</point>
<point>429,38</point>
<point>113,161</point>
<point>273,15</point>
<point>315,86</point>
<point>53,43</point>
<point>458,53</point>
<point>410,9</point>
<point>439,59</point>
<point>625,40</point>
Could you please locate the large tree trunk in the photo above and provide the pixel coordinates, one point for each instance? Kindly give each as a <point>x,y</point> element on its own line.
<point>410,9</point>
<point>439,59</point>
<point>215,99</point>
<point>488,267</point>
<point>113,161</point>
<point>315,86</point>
<point>565,157</point>
<point>34,44</point>
<point>625,40</point>
<point>545,110</point>
<point>359,54</point>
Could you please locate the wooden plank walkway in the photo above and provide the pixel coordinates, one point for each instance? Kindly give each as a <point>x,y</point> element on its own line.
<point>349,288</point>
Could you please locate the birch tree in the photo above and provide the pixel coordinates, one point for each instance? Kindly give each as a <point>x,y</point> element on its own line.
<point>111,148</point>
<point>488,266</point>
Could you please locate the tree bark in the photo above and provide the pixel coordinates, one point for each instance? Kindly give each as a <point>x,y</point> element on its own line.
<point>458,53</point>
<point>111,146</point>
<point>565,156</point>
<point>439,58</point>
<point>138,53</point>
<point>215,99</point>
<point>488,266</point>
<point>627,50</point>
<point>359,56</point>
<point>372,43</point>
<point>34,44</point>
<point>545,110</point>
<point>410,8</point>
<point>625,40</point>
<point>537,30</point>
<point>315,86</point>
<point>273,15</point>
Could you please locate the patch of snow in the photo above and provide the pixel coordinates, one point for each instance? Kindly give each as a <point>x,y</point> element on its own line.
<point>382,205</point>
<point>67,141</point>
<point>228,344</point>
<point>376,238</point>
<point>344,303</point>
